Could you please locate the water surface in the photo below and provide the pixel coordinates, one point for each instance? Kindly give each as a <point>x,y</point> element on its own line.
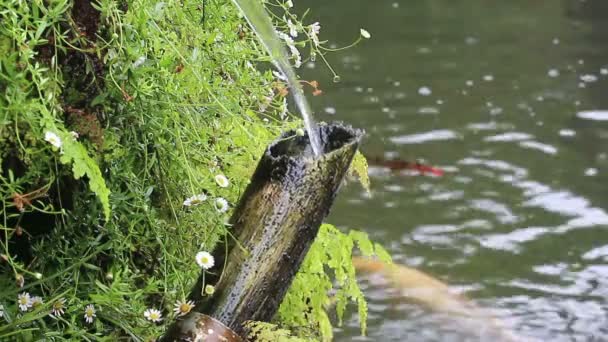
<point>510,98</point>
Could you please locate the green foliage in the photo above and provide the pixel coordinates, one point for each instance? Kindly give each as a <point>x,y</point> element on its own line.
<point>327,269</point>
<point>358,168</point>
<point>150,100</point>
<point>268,332</point>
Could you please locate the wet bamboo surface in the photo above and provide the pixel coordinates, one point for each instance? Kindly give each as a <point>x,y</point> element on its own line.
<point>275,223</point>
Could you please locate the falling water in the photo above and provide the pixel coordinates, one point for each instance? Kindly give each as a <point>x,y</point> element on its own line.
<point>259,20</point>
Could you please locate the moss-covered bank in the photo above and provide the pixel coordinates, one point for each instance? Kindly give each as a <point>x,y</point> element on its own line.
<point>115,119</point>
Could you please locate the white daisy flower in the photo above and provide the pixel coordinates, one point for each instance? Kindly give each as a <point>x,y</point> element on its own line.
<point>183,307</point>
<point>53,139</point>
<point>293,28</point>
<point>37,301</point>
<point>314,29</point>
<point>295,53</point>
<point>153,315</point>
<point>89,313</point>
<point>365,34</point>
<point>204,260</point>
<point>209,289</point>
<point>24,301</point>
<point>195,200</point>
<point>221,205</point>
<point>222,181</point>
<point>58,307</point>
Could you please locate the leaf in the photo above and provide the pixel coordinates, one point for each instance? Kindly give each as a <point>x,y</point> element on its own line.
<point>268,332</point>
<point>358,168</point>
<point>74,153</point>
<point>327,268</point>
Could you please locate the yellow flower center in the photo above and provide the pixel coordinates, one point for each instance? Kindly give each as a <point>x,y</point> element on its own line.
<point>185,308</point>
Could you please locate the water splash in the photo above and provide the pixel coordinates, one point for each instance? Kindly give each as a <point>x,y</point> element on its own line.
<point>259,20</point>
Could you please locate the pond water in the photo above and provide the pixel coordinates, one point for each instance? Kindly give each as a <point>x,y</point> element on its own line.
<point>510,99</point>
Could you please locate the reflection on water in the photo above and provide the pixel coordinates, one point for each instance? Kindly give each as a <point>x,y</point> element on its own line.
<point>510,99</point>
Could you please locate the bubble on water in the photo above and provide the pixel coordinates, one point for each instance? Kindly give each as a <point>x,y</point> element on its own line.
<point>372,99</point>
<point>424,91</point>
<point>581,61</point>
<point>370,90</point>
<point>555,41</point>
<point>385,109</point>
<point>439,102</point>
<point>337,79</point>
<point>395,5</point>
<point>464,92</point>
<point>582,85</point>
<point>588,78</point>
<point>359,89</point>
<point>496,111</point>
<point>471,40</point>
<point>428,110</point>
<point>469,83</point>
<point>488,78</point>
<point>577,103</point>
<point>553,73</point>
<point>590,172</point>
<point>489,104</point>
<point>396,83</point>
<point>567,132</point>
<point>330,110</point>
<point>540,99</point>
<point>604,71</point>
<point>423,50</point>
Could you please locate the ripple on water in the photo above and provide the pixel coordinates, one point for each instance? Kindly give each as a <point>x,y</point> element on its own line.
<point>535,145</point>
<point>595,115</point>
<point>419,138</point>
<point>509,136</point>
<point>557,317</point>
<point>489,126</point>
<point>503,214</point>
<point>511,241</point>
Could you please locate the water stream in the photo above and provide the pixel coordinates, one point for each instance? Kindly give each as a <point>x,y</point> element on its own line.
<point>259,20</point>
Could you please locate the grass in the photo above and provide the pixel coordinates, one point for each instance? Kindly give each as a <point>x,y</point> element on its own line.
<point>151,100</point>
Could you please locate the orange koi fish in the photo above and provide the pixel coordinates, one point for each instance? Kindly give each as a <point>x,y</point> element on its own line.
<point>425,290</point>
<point>399,165</point>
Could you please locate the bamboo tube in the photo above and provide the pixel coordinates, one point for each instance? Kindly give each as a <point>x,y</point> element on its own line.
<point>275,223</point>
